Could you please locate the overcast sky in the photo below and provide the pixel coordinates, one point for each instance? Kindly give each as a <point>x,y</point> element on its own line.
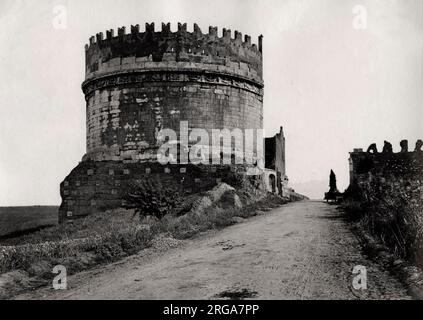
<point>332,86</point>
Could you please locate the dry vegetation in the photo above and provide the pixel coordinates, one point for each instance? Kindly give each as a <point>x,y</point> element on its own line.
<point>109,236</point>
<point>394,218</point>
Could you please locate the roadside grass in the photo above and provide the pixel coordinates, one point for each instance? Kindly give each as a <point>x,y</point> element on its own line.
<point>110,236</point>
<point>396,245</point>
<point>392,221</point>
<point>219,216</point>
<point>90,226</point>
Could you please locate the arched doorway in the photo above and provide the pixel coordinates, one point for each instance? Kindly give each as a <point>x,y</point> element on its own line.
<point>272,182</point>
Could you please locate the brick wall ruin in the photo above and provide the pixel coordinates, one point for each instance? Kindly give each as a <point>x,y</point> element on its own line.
<point>95,186</point>
<point>389,173</point>
<point>275,161</point>
<point>386,194</point>
<point>394,170</point>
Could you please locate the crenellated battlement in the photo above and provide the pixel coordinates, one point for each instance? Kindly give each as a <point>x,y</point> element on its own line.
<point>387,148</point>
<point>135,32</point>
<point>386,163</point>
<point>123,50</point>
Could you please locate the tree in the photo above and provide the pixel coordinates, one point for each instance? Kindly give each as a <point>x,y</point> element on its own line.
<point>332,182</point>
<point>333,193</point>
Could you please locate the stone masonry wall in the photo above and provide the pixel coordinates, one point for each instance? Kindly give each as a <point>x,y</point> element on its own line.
<point>152,50</point>
<point>123,121</point>
<point>389,190</point>
<point>275,158</point>
<point>142,82</point>
<point>399,172</point>
<point>96,186</point>
<point>139,83</point>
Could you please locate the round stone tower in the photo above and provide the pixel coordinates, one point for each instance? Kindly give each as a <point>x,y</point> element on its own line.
<point>138,83</point>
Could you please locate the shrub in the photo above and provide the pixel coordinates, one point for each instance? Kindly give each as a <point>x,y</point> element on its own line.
<point>387,214</point>
<point>151,197</point>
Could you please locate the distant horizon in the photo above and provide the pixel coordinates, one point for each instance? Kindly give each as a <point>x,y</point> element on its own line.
<point>291,185</point>
<point>315,197</point>
<point>32,206</point>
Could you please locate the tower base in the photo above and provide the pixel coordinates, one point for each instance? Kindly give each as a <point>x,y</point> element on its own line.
<point>96,186</point>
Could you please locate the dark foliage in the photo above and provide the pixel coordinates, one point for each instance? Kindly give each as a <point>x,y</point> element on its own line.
<point>150,197</point>
<point>387,214</point>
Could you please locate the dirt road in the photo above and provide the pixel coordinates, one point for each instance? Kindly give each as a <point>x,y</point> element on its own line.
<point>302,250</point>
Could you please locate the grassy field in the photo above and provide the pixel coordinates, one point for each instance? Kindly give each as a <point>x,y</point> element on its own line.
<point>109,236</point>
<point>15,220</point>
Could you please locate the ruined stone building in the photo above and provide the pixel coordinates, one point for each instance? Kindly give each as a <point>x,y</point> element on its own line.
<point>389,173</point>
<point>276,179</point>
<point>389,189</point>
<point>138,83</point>
<point>404,167</point>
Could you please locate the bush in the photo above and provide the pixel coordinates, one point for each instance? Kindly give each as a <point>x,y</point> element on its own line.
<point>151,198</point>
<point>354,210</point>
<point>388,215</point>
<point>216,217</point>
